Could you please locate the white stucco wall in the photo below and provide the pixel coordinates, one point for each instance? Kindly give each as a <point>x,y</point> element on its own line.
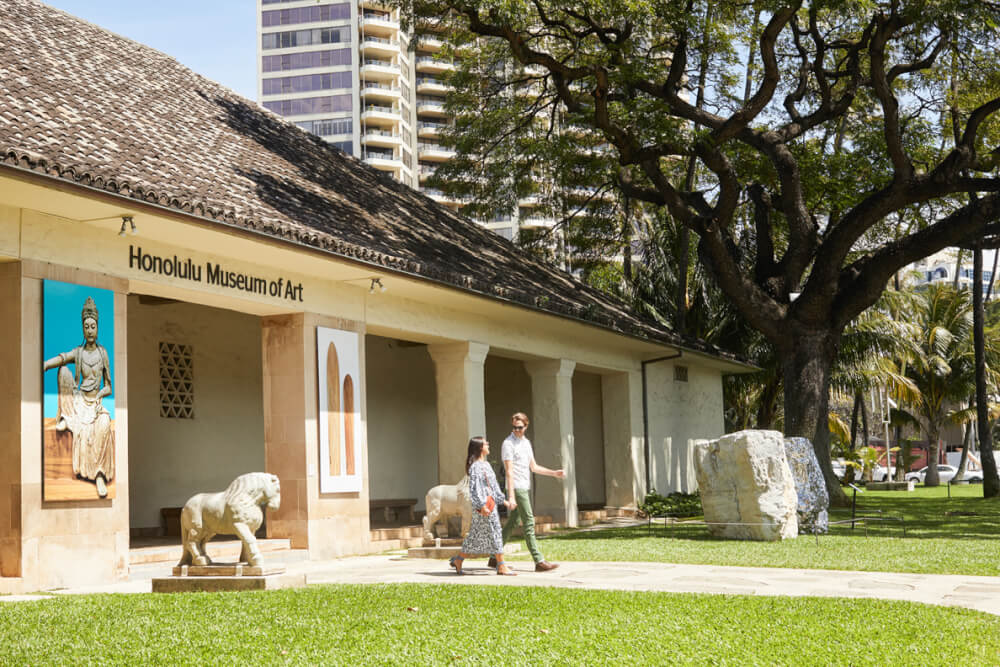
<point>402,419</point>
<point>679,413</point>
<point>172,459</point>
<point>588,432</point>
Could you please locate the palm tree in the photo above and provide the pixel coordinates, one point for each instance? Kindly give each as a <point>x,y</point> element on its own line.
<point>870,352</point>
<point>943,373</point>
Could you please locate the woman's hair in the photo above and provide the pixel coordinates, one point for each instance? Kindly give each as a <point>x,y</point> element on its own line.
<point>475,451</point>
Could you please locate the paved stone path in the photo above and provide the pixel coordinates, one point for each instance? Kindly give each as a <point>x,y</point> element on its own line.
<point>980,593</point>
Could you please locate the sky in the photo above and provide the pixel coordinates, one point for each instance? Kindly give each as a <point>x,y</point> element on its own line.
<point>215,38</point>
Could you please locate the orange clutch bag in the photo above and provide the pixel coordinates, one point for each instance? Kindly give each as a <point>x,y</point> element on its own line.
<point>490,503</point>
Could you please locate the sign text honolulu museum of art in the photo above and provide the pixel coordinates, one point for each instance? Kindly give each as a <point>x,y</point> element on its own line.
<point>214,274</point>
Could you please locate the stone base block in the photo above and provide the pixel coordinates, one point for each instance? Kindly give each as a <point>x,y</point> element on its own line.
<point>890,486</point>
<point>216,584</point>
<point>443,542</point>
<point>227,570</point>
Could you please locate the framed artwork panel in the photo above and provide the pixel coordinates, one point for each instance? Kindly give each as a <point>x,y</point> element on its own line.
<point>339,366</point>
<point>78,402</point>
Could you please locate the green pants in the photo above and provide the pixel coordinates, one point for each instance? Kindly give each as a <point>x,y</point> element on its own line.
<point>523,514</point>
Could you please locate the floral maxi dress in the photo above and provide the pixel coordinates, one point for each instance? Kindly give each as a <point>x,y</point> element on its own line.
<point>485,536</point>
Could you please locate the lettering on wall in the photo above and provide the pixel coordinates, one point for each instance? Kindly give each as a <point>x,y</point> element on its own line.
<point>213,274</point>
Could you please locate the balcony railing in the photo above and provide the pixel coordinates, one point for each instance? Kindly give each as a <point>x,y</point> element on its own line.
<point>378,155</point>
<point>378,108</point>
<point>380,40</point>
<point>436,127</point>
<point>373,62</point>
<point>435,62</point>
<point>426,146</point>
<point>378,16</point>
<point>365,85</point>
<point>430,81</point>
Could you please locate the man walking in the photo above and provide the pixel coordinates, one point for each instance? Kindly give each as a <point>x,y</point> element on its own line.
<point>519,462</point>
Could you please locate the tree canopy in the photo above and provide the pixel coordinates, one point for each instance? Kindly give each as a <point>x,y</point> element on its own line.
<point>833,142</point>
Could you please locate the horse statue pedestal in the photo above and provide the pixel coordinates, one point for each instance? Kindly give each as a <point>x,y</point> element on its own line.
<point>227,577</point>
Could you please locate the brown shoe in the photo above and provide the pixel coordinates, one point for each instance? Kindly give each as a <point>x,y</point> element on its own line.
<point>545,566</point>
<point>492,562</point>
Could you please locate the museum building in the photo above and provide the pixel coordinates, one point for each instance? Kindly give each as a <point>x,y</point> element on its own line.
<point>194,288</point>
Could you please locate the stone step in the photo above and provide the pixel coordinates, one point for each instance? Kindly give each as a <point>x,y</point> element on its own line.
<point>399,533</point>
<point>592,515</point>
<point>620,512</point>
<point>222,550</point>
<point>378,546</point>
<point>447,551</point>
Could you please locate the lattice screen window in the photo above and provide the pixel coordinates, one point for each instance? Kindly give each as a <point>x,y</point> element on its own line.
<point>176,381</point>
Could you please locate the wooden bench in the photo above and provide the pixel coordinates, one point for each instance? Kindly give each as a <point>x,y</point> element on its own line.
<point>393,507</point>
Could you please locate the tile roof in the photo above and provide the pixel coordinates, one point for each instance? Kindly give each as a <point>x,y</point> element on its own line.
<point>81,104</point>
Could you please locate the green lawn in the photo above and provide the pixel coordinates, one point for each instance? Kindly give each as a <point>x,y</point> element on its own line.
<point>450,624</point>
<point>957,535</point>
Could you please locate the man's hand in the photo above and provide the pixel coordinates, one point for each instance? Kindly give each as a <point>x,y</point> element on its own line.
<point>561,474</point>
<point>511,503</point>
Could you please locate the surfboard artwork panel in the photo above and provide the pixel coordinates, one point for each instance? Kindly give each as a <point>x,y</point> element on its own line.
<point>333,407</point>
<point>348,417</point>
<point>340,428</point>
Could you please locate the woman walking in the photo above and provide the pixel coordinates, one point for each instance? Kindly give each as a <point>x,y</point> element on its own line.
<point>484,538</point>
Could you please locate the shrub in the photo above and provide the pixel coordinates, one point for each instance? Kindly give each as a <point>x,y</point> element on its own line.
<point>676,504</point>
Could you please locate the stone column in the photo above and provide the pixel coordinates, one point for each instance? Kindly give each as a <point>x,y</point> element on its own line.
<point>287,409</point>
<point>10,420</point>
<point>624,447</point>
<point>551,434</point>
<point>461,403</point>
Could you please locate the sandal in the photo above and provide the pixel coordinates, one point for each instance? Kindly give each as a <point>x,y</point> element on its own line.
<point>456,562</point>
<point>505,571</point>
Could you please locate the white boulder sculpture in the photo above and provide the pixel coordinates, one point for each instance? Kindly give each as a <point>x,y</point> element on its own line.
<point>447,500</point>
<point>746,486</point>
<point>235,511</point>
<point>813,500</point>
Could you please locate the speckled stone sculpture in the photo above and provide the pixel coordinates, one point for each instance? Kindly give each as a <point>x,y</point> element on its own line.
<point>236,511</point>
<point>814,501</point>
<point>746,487</point>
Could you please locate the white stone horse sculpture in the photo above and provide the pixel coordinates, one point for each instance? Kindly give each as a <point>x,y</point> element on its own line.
<point>447,500</point>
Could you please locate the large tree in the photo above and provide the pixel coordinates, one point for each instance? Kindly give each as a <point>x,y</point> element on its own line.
<point>869,132</point>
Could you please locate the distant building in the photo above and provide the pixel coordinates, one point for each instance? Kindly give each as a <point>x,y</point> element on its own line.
<point>941,267</point>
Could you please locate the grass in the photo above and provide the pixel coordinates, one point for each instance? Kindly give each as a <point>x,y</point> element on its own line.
<point>416,624</point>
<point>957,535</point>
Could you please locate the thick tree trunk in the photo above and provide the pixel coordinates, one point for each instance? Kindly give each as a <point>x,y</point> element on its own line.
<point>767,408</point>
<point>932,478</point>
<point>866,434</point>
<point>858,400</point>
<point>902,456</point>
<point>963,460</point>
<point>806,361</point>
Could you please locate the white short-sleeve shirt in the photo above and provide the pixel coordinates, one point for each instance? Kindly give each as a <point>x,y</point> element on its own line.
<point>519,451</point>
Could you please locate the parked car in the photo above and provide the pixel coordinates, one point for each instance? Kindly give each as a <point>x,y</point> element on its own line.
<point>879,473</point>
<point>946,473</point>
